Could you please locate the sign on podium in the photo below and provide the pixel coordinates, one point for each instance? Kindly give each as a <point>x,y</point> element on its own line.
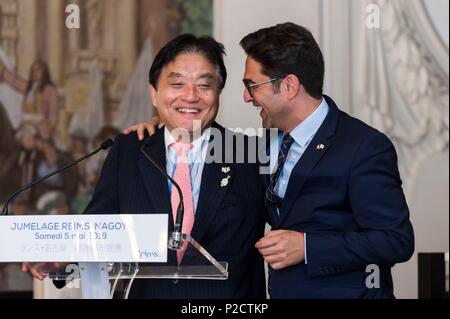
<point>105,248</point>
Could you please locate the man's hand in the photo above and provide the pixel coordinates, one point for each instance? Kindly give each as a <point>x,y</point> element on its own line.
<point>282,248</point>
<point>40,270</point>
<point>150,126</point>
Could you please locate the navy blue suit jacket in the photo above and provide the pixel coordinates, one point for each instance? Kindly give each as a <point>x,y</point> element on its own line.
<point>348,199</point>
<point>228,221</point>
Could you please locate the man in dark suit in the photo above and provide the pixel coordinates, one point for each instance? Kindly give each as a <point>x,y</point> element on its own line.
<point>338,213</point>
<point>337,210</point>
<point>223,201</point>
<point>228,218</point>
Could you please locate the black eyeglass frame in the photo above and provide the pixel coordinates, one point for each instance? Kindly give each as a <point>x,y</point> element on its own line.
<point>250,86</point>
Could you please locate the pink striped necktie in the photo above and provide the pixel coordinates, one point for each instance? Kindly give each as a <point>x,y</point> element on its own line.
<point>183,178</point>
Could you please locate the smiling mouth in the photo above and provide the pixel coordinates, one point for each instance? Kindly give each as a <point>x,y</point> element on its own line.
<point>185,110</point>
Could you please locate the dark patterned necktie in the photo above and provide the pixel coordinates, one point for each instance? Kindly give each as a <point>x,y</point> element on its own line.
<point>271,197</point>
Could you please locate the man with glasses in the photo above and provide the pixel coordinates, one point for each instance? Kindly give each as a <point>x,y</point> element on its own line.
<point>336,204</point>
<point>250,86</point>
<point>337,209</point>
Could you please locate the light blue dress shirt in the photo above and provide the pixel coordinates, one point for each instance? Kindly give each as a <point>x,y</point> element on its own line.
<point>196,157</point>
<point>302,135</point>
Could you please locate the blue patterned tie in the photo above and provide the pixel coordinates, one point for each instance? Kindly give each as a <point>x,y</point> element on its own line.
<point>271,197</point>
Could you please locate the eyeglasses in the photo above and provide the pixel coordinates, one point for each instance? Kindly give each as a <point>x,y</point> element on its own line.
<point>250,86</point>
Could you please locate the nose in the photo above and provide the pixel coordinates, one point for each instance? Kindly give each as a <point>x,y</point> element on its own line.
<point>190,94</point>
<point>247,97</point>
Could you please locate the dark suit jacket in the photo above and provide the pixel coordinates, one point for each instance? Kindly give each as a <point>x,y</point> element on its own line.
<point>347,198</point>
<point>228,221</point>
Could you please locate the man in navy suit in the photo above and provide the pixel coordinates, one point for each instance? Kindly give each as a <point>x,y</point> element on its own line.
<point>337,210</point>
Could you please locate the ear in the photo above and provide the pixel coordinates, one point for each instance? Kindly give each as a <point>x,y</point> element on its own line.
<point>153,95</point>
<point>291,85</point>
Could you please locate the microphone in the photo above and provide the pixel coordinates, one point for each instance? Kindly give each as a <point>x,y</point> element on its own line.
<point>175,241</point>
<point>105,145</point>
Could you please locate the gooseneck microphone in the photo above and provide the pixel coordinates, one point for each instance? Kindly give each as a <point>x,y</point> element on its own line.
<point>105,145</point>
<point>175,241</point>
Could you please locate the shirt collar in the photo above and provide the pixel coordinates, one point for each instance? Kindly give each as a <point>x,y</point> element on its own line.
<point>303,132</point>
<point>197,145</point>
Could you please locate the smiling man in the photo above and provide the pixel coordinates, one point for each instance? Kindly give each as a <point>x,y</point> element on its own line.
<point>223,202</point>
<point>335,200</point>
<point>186,79</point>
<point>188,87</point>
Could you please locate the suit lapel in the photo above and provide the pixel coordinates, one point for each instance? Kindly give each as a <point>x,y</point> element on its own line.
<point>155,183</point>
<point>316,149</point>
<point>212,190</point>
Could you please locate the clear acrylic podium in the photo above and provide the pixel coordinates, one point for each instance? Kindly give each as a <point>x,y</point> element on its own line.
<point>100,279</point>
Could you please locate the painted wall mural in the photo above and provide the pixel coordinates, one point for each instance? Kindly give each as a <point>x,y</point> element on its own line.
<point>63,91</point>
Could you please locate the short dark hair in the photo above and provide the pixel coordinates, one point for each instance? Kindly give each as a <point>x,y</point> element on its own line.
<point>285,49</point>
<point>212,50</point>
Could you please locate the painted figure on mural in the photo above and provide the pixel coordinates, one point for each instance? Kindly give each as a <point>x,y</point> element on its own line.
<point>9,152</point>
<point>40,102</point>
<point>37,154</point>
<point>34,108</point>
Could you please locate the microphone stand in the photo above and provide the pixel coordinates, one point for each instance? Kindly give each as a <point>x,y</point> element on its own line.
<point>106,144</point>
<point>175,241</point>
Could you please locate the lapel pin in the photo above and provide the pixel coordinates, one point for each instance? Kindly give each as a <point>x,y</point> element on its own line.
<point>225,169</point>
<point>224,181</point>
<point>320,147</point>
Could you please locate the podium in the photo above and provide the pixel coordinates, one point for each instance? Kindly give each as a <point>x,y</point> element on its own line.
<point>140,249</point>
<point>100,279</point>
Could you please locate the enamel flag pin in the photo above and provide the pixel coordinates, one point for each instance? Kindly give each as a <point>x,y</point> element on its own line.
<point>320,147</point>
